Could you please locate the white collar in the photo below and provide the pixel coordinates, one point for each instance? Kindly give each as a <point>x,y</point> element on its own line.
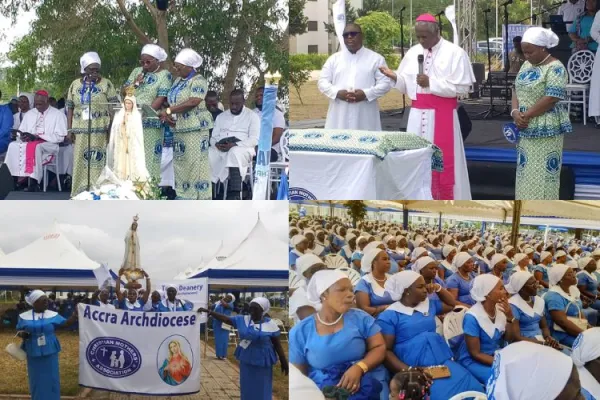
<point>573,295</point>
<point>451,267</point>
<point>588,274</point>
<point>318,249</point>
<point>521,304</point>
<point>30,315</point>
<point>268,326</point>
<point>484,320</point>
<point>375,286</point>
<point>422,307</point>
<point>296,252</point>
<point>107,305</point>
<point>132,306</point>
<point>167,303</point>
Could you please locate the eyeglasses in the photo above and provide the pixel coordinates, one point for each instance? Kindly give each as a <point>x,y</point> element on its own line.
<point>346,35</point>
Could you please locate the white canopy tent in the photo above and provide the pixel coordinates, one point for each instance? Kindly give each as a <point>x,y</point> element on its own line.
<point>51,261</point>
<point>259,263</point>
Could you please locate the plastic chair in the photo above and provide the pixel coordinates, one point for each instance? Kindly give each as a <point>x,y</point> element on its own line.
<point>580,68</point>
<point>439,326</point>
<point>283,332</point>
<point>352,274</point>
<point>295,280</point>
<point>334,261</point>
<point>469,395</point>
<point>452,326</point>
<point>52,162</point>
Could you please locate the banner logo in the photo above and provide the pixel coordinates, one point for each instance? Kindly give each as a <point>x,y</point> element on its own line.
<point>113,357</point>
<point>296,193</point>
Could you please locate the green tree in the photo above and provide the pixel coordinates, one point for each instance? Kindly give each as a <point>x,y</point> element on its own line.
<point>300,69</point>
<point>298,21</point>
<point>357,210</point>
<point>379,32</point>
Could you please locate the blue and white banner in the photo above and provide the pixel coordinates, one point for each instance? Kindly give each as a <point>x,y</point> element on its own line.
<point>514,30</point>
<point>263,157</point>
<point>190,290</point>
<point>339,21</point>
<point>139,352</point>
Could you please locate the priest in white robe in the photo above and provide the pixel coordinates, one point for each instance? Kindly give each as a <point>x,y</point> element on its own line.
<point>352,81</point>
<point>48,128</point>
<point>25,103</point>
<point>594,110</point>
<point>447,75</point>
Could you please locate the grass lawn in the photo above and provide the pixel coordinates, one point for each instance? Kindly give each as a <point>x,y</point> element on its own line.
<point>280,381</point>
<point>316,104</point>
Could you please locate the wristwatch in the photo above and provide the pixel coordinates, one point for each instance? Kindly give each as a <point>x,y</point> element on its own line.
<point>510,321</point>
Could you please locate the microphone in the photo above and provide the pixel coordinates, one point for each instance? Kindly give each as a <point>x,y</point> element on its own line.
<point>403,8</point>
<point>440,13</point>
<point>420,59</point>
<point>137,84</point>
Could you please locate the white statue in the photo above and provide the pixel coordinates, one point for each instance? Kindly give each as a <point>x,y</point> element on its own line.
<point>125,154</point>
<point>132,267</point>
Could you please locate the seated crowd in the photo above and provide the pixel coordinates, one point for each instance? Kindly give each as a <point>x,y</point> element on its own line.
<point>447,304</point>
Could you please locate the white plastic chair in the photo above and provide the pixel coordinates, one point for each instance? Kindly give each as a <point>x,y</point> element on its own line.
<point>580,68</point>
<point>282,331</point>
<point>53,162</point>
<point>469,395</point>
<point>452,326</point>
<point>334,261</point>
<point>352,274</point>
<point>439,326</point>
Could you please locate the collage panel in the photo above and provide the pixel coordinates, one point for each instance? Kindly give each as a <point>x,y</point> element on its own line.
<point>444,300</point>
<point>110,300</point>
<point>152,100</point>
<point>450,100</point>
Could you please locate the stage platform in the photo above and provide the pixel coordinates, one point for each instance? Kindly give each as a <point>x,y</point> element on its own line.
<point>20,195</point>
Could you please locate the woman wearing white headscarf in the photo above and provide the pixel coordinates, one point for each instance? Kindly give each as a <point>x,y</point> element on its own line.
<point>409,330</point>
<point>357,256</point>
<point>587,281</point>
<point>562,301</point>
<point>258,349</point>
<point>152,82</point>
<point>446,267</point>
<point>541,272</point>
<point>306,267</point>
<point>528,309</point>
<point>521,263</point>
<point>371,296</point>
<point>339,345</point>
<point>36,327</point>
<point>365,269</point>
<point>499,266</point>
<point>529,371</point>
<point>224,307</point>
<point>485,325</point>
<point>427,267</point>
<point>488,253</point>
<point>300,244</point>
<point>586,357</point>
<point>349,248</point>
<point>187,122</point>
<point>541,120</point>
<point>459,284</point>
<point>100,91</point>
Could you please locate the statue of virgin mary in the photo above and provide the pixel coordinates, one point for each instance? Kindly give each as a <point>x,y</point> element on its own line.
<point>125,155</point>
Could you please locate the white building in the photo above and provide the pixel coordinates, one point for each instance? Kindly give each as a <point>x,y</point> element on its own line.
<point>317,40</point>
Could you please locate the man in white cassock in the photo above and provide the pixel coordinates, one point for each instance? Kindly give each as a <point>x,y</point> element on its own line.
<point>234,137</point>
<point>447,74</point>
<point>44,127</point>
<point>352,81</point>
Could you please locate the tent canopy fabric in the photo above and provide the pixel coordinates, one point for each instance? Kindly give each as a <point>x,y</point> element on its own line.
<point>260,260</point>
<point>50,261</point>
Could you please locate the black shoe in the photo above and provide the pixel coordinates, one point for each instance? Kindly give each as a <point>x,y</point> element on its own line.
<point>233,196</point>
<point>33,186</point>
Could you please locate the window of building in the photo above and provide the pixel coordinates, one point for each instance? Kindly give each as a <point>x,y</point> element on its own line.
<point>313,49</point>
<point>313,26</point>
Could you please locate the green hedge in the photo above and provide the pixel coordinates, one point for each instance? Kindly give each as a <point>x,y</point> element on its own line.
<point>316,61</point>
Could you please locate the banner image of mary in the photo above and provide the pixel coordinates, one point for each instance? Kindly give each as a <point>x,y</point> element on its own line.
<point>176,367</point>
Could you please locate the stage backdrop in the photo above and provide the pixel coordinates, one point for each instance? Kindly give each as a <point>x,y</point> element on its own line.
<point>139,352</point>
<point>191,290</point>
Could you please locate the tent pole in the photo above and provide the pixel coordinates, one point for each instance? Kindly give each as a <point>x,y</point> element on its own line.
<point>516,220</point>
<point>405,218</point>
<point>440,223</point>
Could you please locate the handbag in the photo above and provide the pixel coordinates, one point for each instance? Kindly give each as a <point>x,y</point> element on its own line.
<point>581,323</point>
<point>438,371</point>
<point>16,352</point>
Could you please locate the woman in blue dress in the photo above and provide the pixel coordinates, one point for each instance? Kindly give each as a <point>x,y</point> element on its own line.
<point>521,263</point>
<point>257,351</point>
<point>129,300</point>
<point>488,253</point>
<point>481,266</point>
<point>349,248</point>
<point>509,252</point>
<point>322,242</point>
<point>223,307</point>
<point>100,298</point>
<point>312,246</point>
<point>300,244</point>
<point>339,345</point>
<point>370,293</point>
<point>435,247</point>
<point>562,301</point>
<point>392,249</point>
<point>171,303</point>
<point>540,272</point>
<point>402,245</point>
<point>485,325</point>
<point>155,303</point>
<point>338,239</point>
<point>409,330</point>
<point>446,268</point>
<point>357,256</point>
<point>499,264</point>
<point>394,267</point>
<point>560,257</point>
<point>528,310</point>
<point>459,284</point>
<point>427,267</point>
<point>36,327</point>
<point>587,281</point>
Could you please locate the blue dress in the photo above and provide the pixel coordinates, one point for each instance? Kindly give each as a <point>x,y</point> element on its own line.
<point>42,360</point>
<point>488,345</point>
<point>591,285</point>
<point>483,266</point>
<point>256,359</point>
<point>529,326</point>
<point>344,253</point>
<point>556,302</point>
<point>418,345</point>
<point>329,356</point>
<point>137,306</point>
<point>69,308</point>
<point>437,253</point>
<point>447,272</point>
<point>458,282</point>
<point>357,255</point>
<point>221,335</point>
<point>544,270</point>
<point>366,285</point>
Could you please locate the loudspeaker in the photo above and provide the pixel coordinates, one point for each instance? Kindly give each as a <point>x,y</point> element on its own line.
<point>7,183</point>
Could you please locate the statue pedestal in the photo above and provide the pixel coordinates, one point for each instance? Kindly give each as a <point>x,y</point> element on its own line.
<point>133,285</point>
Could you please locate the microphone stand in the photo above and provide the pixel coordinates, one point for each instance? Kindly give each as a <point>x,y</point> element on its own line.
<point>491,111</point>
<point>402,53</point>
<point>507,61</point>
<point>89,141</point>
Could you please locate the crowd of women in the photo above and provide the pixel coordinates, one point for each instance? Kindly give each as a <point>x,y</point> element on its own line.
<point>258,351</point>
<point>178,137</point>
<point>383,314</point>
